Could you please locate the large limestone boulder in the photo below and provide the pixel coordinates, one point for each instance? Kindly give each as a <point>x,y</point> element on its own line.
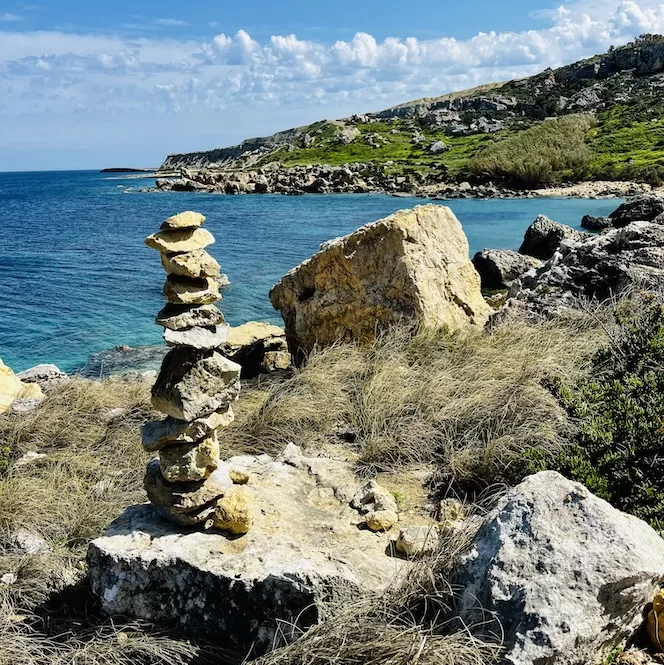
<point>12,388</point>
<point>304,550</point>
<point>592,268</point>
<point>411,266</point>
<point>543,237</point>
<point>562,575</point>
<point>498,268</point>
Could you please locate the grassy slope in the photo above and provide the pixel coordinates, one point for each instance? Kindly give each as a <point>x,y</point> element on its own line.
<point>399,148</point>
<point>625,144</point>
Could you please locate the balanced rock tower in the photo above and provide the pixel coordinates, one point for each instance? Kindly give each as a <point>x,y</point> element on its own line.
<point>195,387</point>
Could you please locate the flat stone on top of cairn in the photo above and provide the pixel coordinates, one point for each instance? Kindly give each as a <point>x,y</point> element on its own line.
<point>195,387</point>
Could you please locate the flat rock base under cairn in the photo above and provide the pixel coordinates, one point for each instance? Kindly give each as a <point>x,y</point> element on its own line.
<point>307,547</point>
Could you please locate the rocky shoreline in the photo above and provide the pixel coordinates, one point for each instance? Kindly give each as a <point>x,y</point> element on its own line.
<point>369,178</point>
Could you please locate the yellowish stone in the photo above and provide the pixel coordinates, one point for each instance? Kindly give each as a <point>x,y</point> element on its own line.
<point>234,513</point>
<point>238,477</point>
<point>12,389</point>
<point>184,240</point>
<point>190,461</point>
<point>185,220</point>
<point>188,291</point>
<point>191,264</point>
<point>656,621</point>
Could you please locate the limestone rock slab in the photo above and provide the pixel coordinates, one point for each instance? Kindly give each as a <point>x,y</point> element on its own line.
<point>184,220</point>
<point>191,264</point>
<point>190,291</point>
<point>304,550</point>
<point>180,317</point>
<point>192,384</point>
<point>184,240</point>
<point>185,498</point>
<point>198,338</point>
<point>412,266</point>
<point>187,462</point>
<point>560,573</point>
<point>156,434</point>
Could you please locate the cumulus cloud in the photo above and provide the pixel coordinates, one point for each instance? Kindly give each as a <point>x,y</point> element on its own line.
<point>56,71</point>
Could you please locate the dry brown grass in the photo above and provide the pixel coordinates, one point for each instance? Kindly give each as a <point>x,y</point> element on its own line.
<point>93,469</point>
<point>471,403</point>
<point>411,623</point>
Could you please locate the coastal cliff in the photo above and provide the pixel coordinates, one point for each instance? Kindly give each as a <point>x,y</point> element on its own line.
<point>595,119</point>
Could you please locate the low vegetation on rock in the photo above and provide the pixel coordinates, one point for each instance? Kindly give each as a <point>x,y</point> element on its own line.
<point>597,119</point>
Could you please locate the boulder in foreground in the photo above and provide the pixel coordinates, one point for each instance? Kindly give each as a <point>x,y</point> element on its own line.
<point>560,573</point>
<point>304,550</point>
<point>412,266</point>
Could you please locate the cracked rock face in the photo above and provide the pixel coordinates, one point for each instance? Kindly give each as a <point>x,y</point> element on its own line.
<point>411,266</point>
<point>560,573</point>
<point>304,550</point>
<point>596,267</point>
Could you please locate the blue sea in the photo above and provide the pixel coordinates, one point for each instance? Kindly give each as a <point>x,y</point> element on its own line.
<point>77,278</point>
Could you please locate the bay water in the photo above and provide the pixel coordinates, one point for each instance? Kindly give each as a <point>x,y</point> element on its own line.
<point>77,278</point>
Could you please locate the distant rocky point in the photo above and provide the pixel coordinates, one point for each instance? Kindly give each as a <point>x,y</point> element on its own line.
<point>126,170</point>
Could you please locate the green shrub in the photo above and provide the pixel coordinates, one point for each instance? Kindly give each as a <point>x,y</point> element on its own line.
<point>619,450</point>
<point>545,153</point>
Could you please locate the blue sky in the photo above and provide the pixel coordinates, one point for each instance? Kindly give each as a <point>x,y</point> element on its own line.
<point>88,85</point>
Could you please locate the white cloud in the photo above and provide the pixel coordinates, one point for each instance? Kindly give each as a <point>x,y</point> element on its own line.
<point>61,72</point>
<point>171,22</point>
<point>9,17</point>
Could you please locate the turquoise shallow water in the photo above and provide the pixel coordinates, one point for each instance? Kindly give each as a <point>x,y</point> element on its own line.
<point>77,279</point>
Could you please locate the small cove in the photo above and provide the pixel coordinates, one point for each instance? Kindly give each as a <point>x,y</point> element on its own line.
<point>77,278</point>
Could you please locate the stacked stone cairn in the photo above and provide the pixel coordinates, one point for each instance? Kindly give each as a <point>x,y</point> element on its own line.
<point>195,387</point>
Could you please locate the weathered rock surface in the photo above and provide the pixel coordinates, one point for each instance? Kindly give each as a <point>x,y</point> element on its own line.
<point>195,501</point>
<point>189,462</point>
<point>258,347</point>
<point>498,268</point>
<point>559,573</point>
<point>642,208</point>
<point>192,384</point>
<point>189,291</point>
<point>47,377</point>
<point>595,223</point>
<point>191,264</point>
<point>185,240</point>
<point>304,550</point>
<point>595,267</point>
<point>156,434</point>
<point>11,389</point>
<point>544,236</point>
<point>180,317</point>
<point>411,266</point>
<point>198,338</point>
<point>184,220</point>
